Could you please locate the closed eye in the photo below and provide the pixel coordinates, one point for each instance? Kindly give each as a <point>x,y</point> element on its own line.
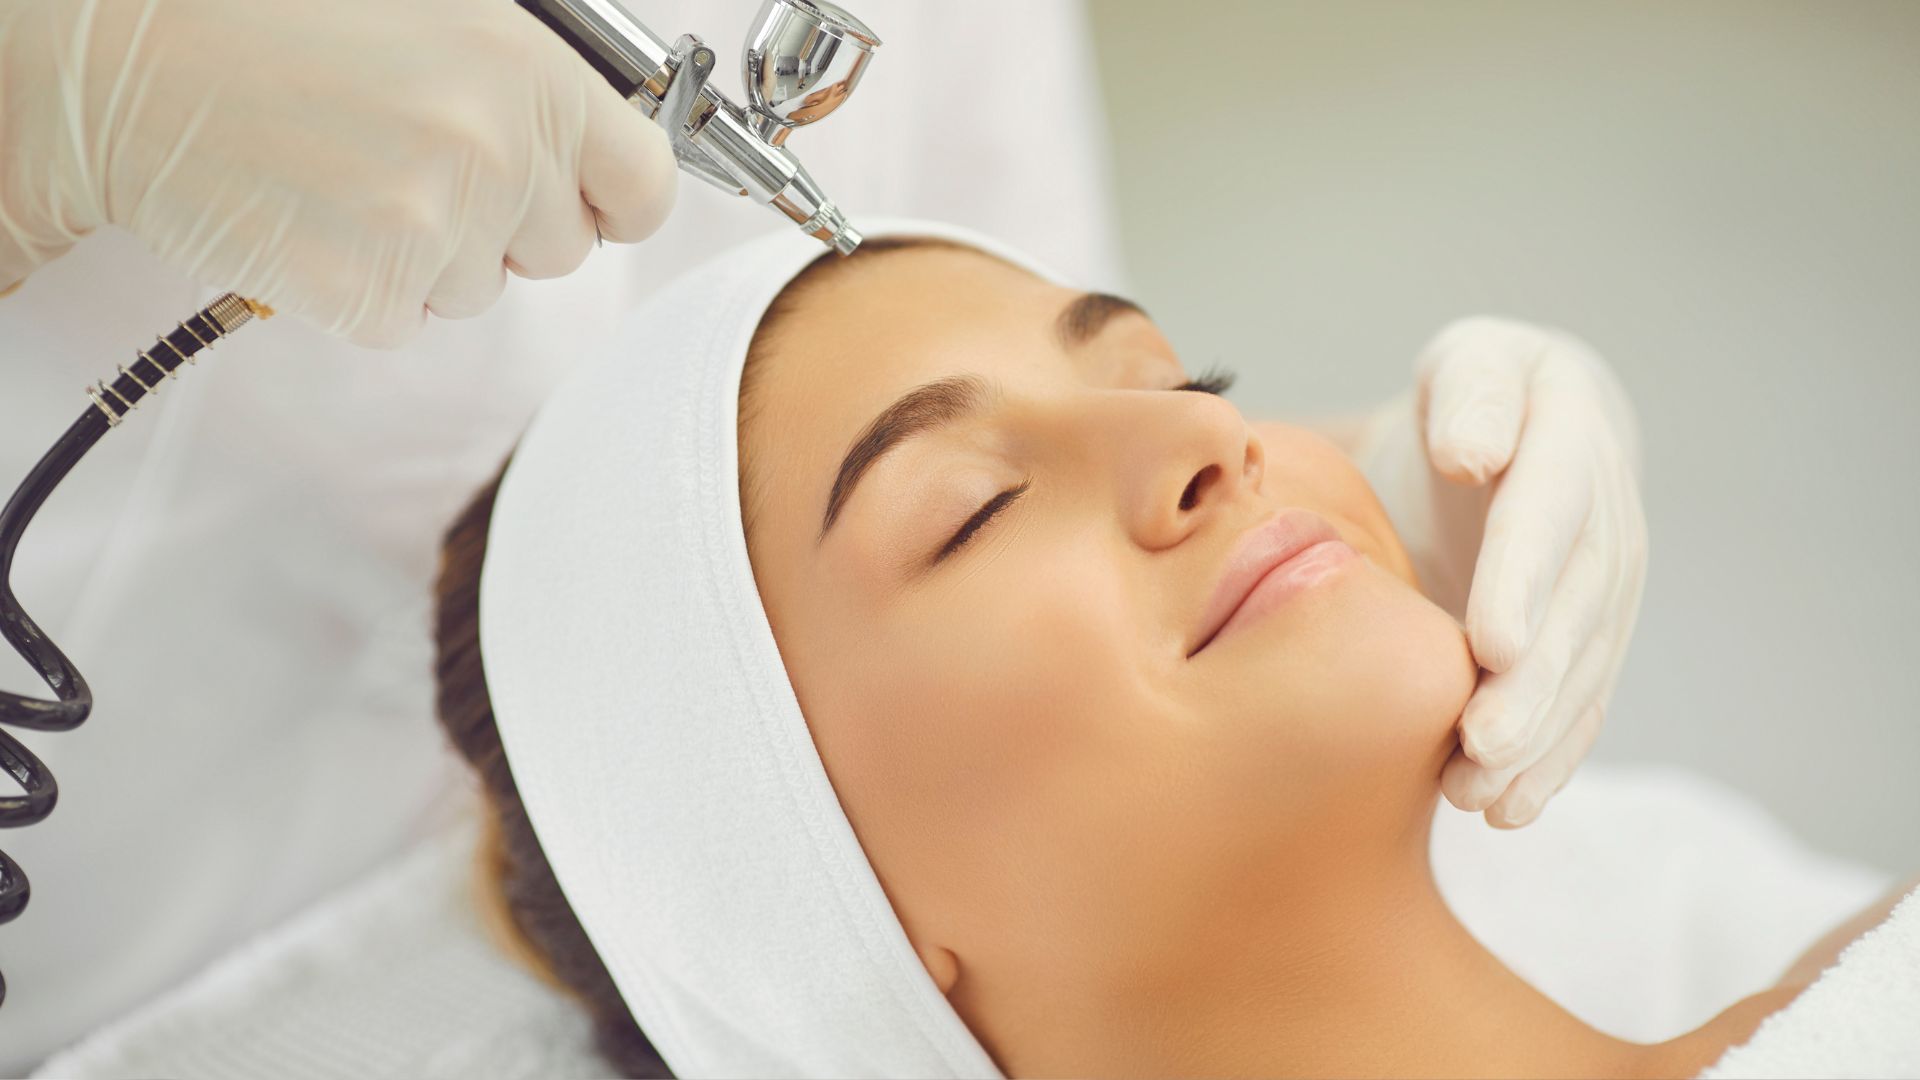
<point>1215,380</point>
<point>980,518</point>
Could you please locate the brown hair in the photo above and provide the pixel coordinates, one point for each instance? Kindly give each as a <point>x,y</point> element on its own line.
<point>519,898</point>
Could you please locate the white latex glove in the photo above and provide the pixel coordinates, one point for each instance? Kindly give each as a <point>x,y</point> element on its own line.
<point>355,162</point>
<point>1514,475</point>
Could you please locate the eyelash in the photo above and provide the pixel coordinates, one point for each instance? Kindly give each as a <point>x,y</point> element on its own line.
<point>1215,380</point>
<point>981,517</point>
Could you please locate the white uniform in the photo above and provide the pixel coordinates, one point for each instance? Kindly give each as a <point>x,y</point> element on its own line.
<point>243,570</point>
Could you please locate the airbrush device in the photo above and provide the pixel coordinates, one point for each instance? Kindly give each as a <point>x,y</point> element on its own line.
<point>802,60</point>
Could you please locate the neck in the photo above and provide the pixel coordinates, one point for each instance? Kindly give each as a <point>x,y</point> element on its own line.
<point>1369,974</point>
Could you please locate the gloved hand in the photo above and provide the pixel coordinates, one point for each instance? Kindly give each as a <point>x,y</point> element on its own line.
<point>1515,470</point>
<point>356,162</point>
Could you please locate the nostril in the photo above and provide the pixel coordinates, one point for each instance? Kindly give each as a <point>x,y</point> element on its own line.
<point>1198,485</point>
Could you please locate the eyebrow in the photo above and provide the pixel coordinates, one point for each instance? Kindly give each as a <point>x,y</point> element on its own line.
<point>1083,319</point>
<point>919,410</point>
<point>945,401</point>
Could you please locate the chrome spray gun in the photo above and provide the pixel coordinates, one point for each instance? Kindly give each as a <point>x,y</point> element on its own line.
<point>803,59</point>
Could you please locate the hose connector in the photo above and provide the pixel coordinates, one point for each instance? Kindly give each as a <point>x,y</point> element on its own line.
<point>227,313</point>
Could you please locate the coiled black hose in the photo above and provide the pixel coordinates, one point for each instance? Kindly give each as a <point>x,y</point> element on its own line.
<point>72,701</point>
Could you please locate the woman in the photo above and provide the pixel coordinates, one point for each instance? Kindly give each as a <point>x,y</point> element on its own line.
<point>1090,662</point>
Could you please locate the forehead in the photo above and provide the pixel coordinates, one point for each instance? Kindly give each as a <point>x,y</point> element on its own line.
<point>861,333</point>
<point>872,327</point>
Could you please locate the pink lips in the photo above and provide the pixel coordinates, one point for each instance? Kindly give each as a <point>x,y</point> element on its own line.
<point>1287,553</point>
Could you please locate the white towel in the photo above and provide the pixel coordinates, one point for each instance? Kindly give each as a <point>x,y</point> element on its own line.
<point>1861,1018</point>
<point>656,741</point>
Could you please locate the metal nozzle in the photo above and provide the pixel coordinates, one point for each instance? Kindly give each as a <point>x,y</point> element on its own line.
<point>830,227</point>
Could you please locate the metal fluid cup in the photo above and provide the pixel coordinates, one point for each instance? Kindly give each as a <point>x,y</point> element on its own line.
<point>802,61</point>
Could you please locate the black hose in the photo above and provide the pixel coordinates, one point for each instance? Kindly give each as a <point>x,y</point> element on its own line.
<point>71,701</point>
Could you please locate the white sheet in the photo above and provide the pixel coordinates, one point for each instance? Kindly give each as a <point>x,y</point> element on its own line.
<point>394,977</point>
<point>1645,900</point>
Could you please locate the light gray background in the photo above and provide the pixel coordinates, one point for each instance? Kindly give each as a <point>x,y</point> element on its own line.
<point>1724,198</point>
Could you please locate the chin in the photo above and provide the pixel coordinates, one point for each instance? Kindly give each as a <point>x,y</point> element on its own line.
<point>1356,686</point>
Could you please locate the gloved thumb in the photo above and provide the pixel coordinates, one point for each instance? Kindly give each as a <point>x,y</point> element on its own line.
<point>1473,397</point>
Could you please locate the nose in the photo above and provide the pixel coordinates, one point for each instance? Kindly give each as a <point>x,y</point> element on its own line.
<point>1181,458</point>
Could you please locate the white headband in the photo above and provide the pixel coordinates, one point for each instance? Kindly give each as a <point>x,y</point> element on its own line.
<point>650,725</point>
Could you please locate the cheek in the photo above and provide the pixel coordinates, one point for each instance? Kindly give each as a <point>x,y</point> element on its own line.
<point>1023,667</point>
<point>992,721</point>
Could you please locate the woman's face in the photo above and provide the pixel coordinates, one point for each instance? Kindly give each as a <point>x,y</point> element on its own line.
<point>1043,771</point>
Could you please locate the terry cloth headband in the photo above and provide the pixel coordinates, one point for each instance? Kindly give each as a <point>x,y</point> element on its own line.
<point>650,726</point>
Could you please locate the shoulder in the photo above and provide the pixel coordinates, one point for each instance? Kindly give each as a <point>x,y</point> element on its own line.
<point>1827,950</point>
<point>1695,1051</point>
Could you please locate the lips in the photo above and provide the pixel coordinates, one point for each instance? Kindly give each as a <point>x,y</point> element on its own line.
<point>1281,555</point>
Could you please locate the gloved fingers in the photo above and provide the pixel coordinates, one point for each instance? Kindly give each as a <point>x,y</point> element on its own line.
<point>1606,392</point>
<point>1540,508</point>
<point>1529,792</point>
<point>1508,708</point>
<point>627,171</point>
<point>475,276</point>
<point>557,230</point>
<point>1472,786</point>
<point>1473,398</point>
<point>1587,686</point>
<point>469,286</point>
<point>387,308</point>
